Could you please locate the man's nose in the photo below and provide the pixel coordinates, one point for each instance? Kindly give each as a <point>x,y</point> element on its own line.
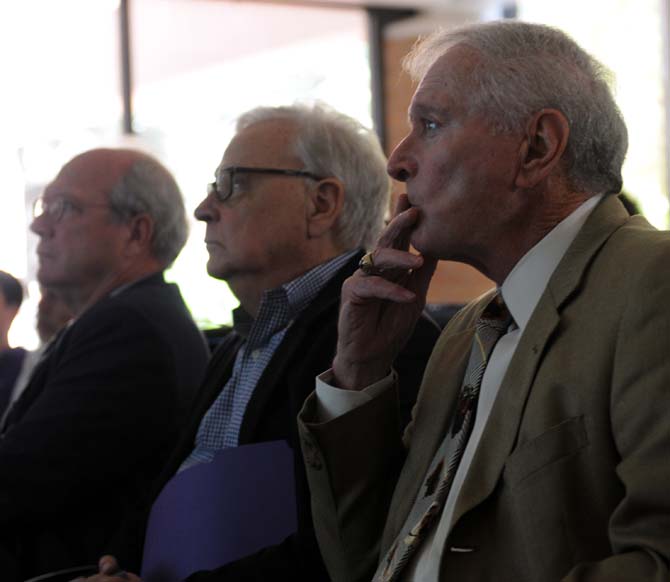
<point>402,164</point>
<point>205,211</point>
<point>40,225</point>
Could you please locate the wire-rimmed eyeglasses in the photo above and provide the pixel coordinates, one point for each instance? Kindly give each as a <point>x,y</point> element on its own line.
<point>224,187</point>
<point>56,208</point>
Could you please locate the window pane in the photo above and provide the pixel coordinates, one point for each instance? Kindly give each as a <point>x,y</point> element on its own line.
<point>60,95</point>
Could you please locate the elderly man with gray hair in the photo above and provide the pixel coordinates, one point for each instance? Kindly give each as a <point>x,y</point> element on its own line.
<point>104,405</point>
<point>539,448</point>
<point>300,194</point>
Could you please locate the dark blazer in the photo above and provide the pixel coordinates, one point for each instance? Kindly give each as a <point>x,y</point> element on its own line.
<point>571,478</point>
<point>95,425</point>
<point>307,350</point>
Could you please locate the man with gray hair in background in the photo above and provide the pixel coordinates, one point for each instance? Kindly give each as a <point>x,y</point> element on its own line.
<point>103,407</point>
<point>539,448</point>
<point>301,192</point>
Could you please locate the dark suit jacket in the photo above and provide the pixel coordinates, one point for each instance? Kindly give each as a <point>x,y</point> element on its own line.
<point>95,424</point>
<point>307,350</point>
<point>571,479</point>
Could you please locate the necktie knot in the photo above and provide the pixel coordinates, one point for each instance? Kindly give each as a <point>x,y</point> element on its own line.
<point>495,317</point>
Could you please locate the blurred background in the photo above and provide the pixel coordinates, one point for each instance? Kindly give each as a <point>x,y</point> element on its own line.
<point>170,77</point>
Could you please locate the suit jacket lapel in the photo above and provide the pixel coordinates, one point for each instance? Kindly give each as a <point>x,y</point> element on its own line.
<point>38,379</point>
<point>442,383</point>
<point>502,428</point>
<point>53,351</point>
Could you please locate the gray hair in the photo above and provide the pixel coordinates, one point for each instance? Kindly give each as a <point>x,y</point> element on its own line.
<point>149,188</point>
<point>330,143</point>
<point>523,68</point>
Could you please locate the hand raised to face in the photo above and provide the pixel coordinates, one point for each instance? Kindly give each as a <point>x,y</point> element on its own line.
<point>379,309</point>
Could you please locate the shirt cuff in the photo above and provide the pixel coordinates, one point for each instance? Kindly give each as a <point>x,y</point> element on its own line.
<point>332,402</point>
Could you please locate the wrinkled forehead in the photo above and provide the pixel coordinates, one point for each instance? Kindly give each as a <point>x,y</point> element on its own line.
<point>270,144</point>
<point>447,82</point>
<point>453,68</point>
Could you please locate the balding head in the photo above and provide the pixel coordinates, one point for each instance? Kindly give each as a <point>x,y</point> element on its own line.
<point>137,183</point>
<point>112,216</point>
<point>100,169</point>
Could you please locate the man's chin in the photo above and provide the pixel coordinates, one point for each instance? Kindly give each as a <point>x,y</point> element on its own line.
<point>419,244</point>
<point>45,278</point>
<point>425,248</point>
<point>217,271</point>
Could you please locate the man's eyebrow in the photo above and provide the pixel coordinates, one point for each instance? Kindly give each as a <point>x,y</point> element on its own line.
<point>422,110</point>
<point>56,193</point>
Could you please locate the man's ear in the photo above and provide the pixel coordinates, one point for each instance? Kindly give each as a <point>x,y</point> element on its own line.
<point>324,206</point>
<point>542,149</point>
<point>140,230</point>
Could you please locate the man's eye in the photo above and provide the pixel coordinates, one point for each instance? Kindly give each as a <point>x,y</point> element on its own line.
<point>430,125</point>
<point>50,208</point>
<point>239,183</point>
<point>68,207</point>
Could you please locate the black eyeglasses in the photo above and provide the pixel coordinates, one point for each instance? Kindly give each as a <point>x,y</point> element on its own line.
<point>224,187</point>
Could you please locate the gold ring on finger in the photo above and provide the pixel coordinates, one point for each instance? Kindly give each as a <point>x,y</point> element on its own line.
<point>367,265</point>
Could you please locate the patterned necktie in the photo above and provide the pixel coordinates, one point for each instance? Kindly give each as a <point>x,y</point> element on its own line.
<point>490,327</point>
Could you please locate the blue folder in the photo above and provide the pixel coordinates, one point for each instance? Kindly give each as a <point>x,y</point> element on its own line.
<point>214,513</point>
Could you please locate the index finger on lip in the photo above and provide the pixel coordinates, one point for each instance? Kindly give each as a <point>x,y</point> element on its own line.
<point>396,234</point>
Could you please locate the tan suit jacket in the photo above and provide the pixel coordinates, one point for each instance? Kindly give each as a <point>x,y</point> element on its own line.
<point>571,479</point>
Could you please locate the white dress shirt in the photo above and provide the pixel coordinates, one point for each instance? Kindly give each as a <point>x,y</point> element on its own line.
<point>521,291</point>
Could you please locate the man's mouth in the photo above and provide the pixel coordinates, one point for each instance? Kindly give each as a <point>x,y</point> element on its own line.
<point>43,255</point>
<point>211,245</point>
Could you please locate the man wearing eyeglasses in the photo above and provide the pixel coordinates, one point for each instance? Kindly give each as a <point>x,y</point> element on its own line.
<point>299,193</point>
<point>103,407</point>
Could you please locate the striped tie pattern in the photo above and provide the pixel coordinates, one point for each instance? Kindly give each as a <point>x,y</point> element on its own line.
<point>490,327</point>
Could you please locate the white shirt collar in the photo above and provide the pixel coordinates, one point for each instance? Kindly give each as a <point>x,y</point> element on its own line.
<point>527,281</point>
